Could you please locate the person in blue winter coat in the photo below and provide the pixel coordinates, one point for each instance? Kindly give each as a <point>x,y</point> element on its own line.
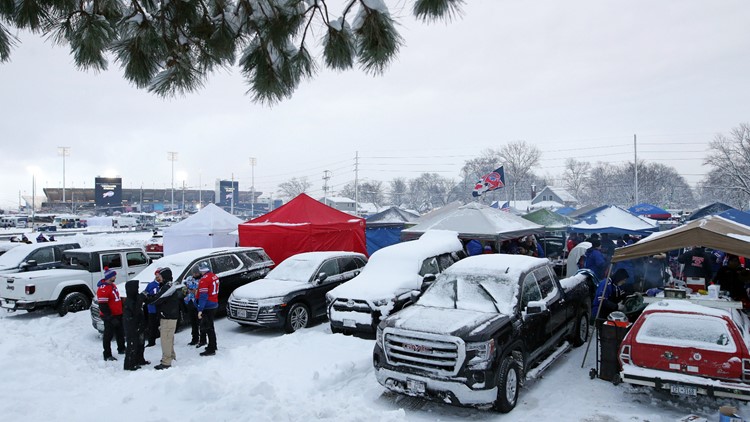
<point>152,330</point>
<point>473,247</point>
<point>609,295</point>
<point>595,260</point>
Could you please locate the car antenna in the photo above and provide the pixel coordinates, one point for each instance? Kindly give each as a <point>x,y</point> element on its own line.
<point>506,270</point>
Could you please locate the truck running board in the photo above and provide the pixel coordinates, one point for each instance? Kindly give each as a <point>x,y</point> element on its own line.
<point>537,370</point>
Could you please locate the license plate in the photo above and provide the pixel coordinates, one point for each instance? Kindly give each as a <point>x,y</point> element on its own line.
<point>350,323</point>
<point>415,386</point>
<point>241,313</point>
<point>683,390</point>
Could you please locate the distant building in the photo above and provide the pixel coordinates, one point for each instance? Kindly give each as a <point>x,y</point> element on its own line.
<point>340,203</point>
<point>555,194</point>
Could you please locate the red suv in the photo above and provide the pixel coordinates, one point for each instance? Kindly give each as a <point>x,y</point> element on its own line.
<point>689,349</point>
<point>155,246</point>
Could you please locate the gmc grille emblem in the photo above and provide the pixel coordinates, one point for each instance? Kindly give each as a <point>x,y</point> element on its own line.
<point>418,348</point>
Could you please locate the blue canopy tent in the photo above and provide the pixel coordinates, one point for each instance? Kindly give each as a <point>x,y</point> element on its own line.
<point>650,211</point>
<point>612,220</point>
<point>712,209</point>
<point>737,216</point>
<point>384,228</point>
<point>565,210</point>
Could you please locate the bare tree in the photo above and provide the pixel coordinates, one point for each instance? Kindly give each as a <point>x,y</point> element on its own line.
<point>519,159</point>
<point>294,187</point>
<point>399,191</point>
<point>730,159</point>
<point>429,191</point>
<point>369,191</point>
<point>575,175</point>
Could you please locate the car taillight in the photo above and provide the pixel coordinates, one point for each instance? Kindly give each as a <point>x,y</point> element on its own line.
<point>625,355</point>
<point>30,289</point>
<point>745,369</point>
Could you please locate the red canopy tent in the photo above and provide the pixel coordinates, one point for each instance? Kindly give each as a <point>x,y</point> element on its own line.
<point>304,225</point>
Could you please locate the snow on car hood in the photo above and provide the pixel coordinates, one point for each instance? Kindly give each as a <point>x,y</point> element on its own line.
<point>268,287</point>
<point>441,320</point>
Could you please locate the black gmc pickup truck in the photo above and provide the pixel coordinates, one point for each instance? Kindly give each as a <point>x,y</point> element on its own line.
<point>481,328</point>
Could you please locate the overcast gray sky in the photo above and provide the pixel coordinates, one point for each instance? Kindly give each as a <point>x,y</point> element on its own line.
<point>576,78</point>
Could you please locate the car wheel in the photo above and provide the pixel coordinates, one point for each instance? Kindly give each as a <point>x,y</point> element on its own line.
<point>580,331</point>
<point>508,384</point>
<point>297,318</point>
<point>73,302</point>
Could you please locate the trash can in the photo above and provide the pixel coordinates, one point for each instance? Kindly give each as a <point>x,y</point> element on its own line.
<point>610,337</point>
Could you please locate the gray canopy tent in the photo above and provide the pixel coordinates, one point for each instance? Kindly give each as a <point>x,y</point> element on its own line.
<point>475,221</point>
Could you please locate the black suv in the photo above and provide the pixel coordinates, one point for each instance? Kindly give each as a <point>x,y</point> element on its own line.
<point>294,292</point>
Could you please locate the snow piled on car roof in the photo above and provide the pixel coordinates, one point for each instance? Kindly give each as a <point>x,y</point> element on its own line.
<point>395,268</point>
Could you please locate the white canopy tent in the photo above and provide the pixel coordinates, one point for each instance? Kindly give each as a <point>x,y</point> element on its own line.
<point>211,227</point>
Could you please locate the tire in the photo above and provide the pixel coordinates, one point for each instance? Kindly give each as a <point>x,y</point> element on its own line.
<point>297,318</point>
<point>73,302</point>
<point>581,330</point>
<point>508,385</point>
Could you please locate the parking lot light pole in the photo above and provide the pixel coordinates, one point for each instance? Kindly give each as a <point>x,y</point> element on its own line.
<point>252,188</point>
<point>172,156</point>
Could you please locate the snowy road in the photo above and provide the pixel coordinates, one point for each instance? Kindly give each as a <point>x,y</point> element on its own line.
<point>52,370</point>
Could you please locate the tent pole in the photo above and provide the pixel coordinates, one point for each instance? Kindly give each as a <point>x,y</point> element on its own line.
<point>598,311</point>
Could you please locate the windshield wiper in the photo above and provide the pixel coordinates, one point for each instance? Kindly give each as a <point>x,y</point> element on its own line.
<point>494,302</point>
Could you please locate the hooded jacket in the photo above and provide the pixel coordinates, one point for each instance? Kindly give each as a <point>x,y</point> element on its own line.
<point>168,298</point>
<point>133,308</point>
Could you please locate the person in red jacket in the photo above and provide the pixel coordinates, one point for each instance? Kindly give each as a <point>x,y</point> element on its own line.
<point>208,304</point>
<point>110,309</point>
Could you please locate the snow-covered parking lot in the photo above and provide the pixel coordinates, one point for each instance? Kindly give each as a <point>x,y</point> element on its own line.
<point>52,370</point>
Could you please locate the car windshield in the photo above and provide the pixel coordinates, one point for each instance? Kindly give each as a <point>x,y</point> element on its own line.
<point>177,267</point>
<point>667,329</point>
<point>13,257</point>
<point>472,292</point>
<point>294,269</point>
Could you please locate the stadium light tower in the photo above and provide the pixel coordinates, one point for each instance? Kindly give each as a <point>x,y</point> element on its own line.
<point>64,152</point>
<point>252,188</point>
<point>172,156</point>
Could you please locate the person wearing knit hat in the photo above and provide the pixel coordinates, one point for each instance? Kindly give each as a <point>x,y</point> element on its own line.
<point>110,310</point>
<point>168,302</point>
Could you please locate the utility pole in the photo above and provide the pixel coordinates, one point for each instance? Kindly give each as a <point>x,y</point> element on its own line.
<point>356,183</point>
<point>326,177</point>
<point>231,189</point>
<point>252,188</point>
<point>635,152</point>
<point>65,152</point>
<point>172,156</point>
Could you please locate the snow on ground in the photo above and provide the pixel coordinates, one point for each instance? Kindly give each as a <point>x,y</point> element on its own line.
<point>51,369</point>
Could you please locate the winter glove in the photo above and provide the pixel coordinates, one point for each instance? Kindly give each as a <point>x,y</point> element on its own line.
<point>621,307</point>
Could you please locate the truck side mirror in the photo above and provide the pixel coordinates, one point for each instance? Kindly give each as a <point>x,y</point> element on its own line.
<point>29,263</point>
<point>427,281</point>
<point>536,307</point>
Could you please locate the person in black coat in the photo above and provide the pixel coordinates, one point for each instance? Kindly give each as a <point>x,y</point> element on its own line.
<point>168,302</point>
<point>135,327</point>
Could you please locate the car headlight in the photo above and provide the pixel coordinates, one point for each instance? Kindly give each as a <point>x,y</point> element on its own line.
<point>270,304</point>
<point>379,337</point>
<point>380,302</point>
<point>480,353</point>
